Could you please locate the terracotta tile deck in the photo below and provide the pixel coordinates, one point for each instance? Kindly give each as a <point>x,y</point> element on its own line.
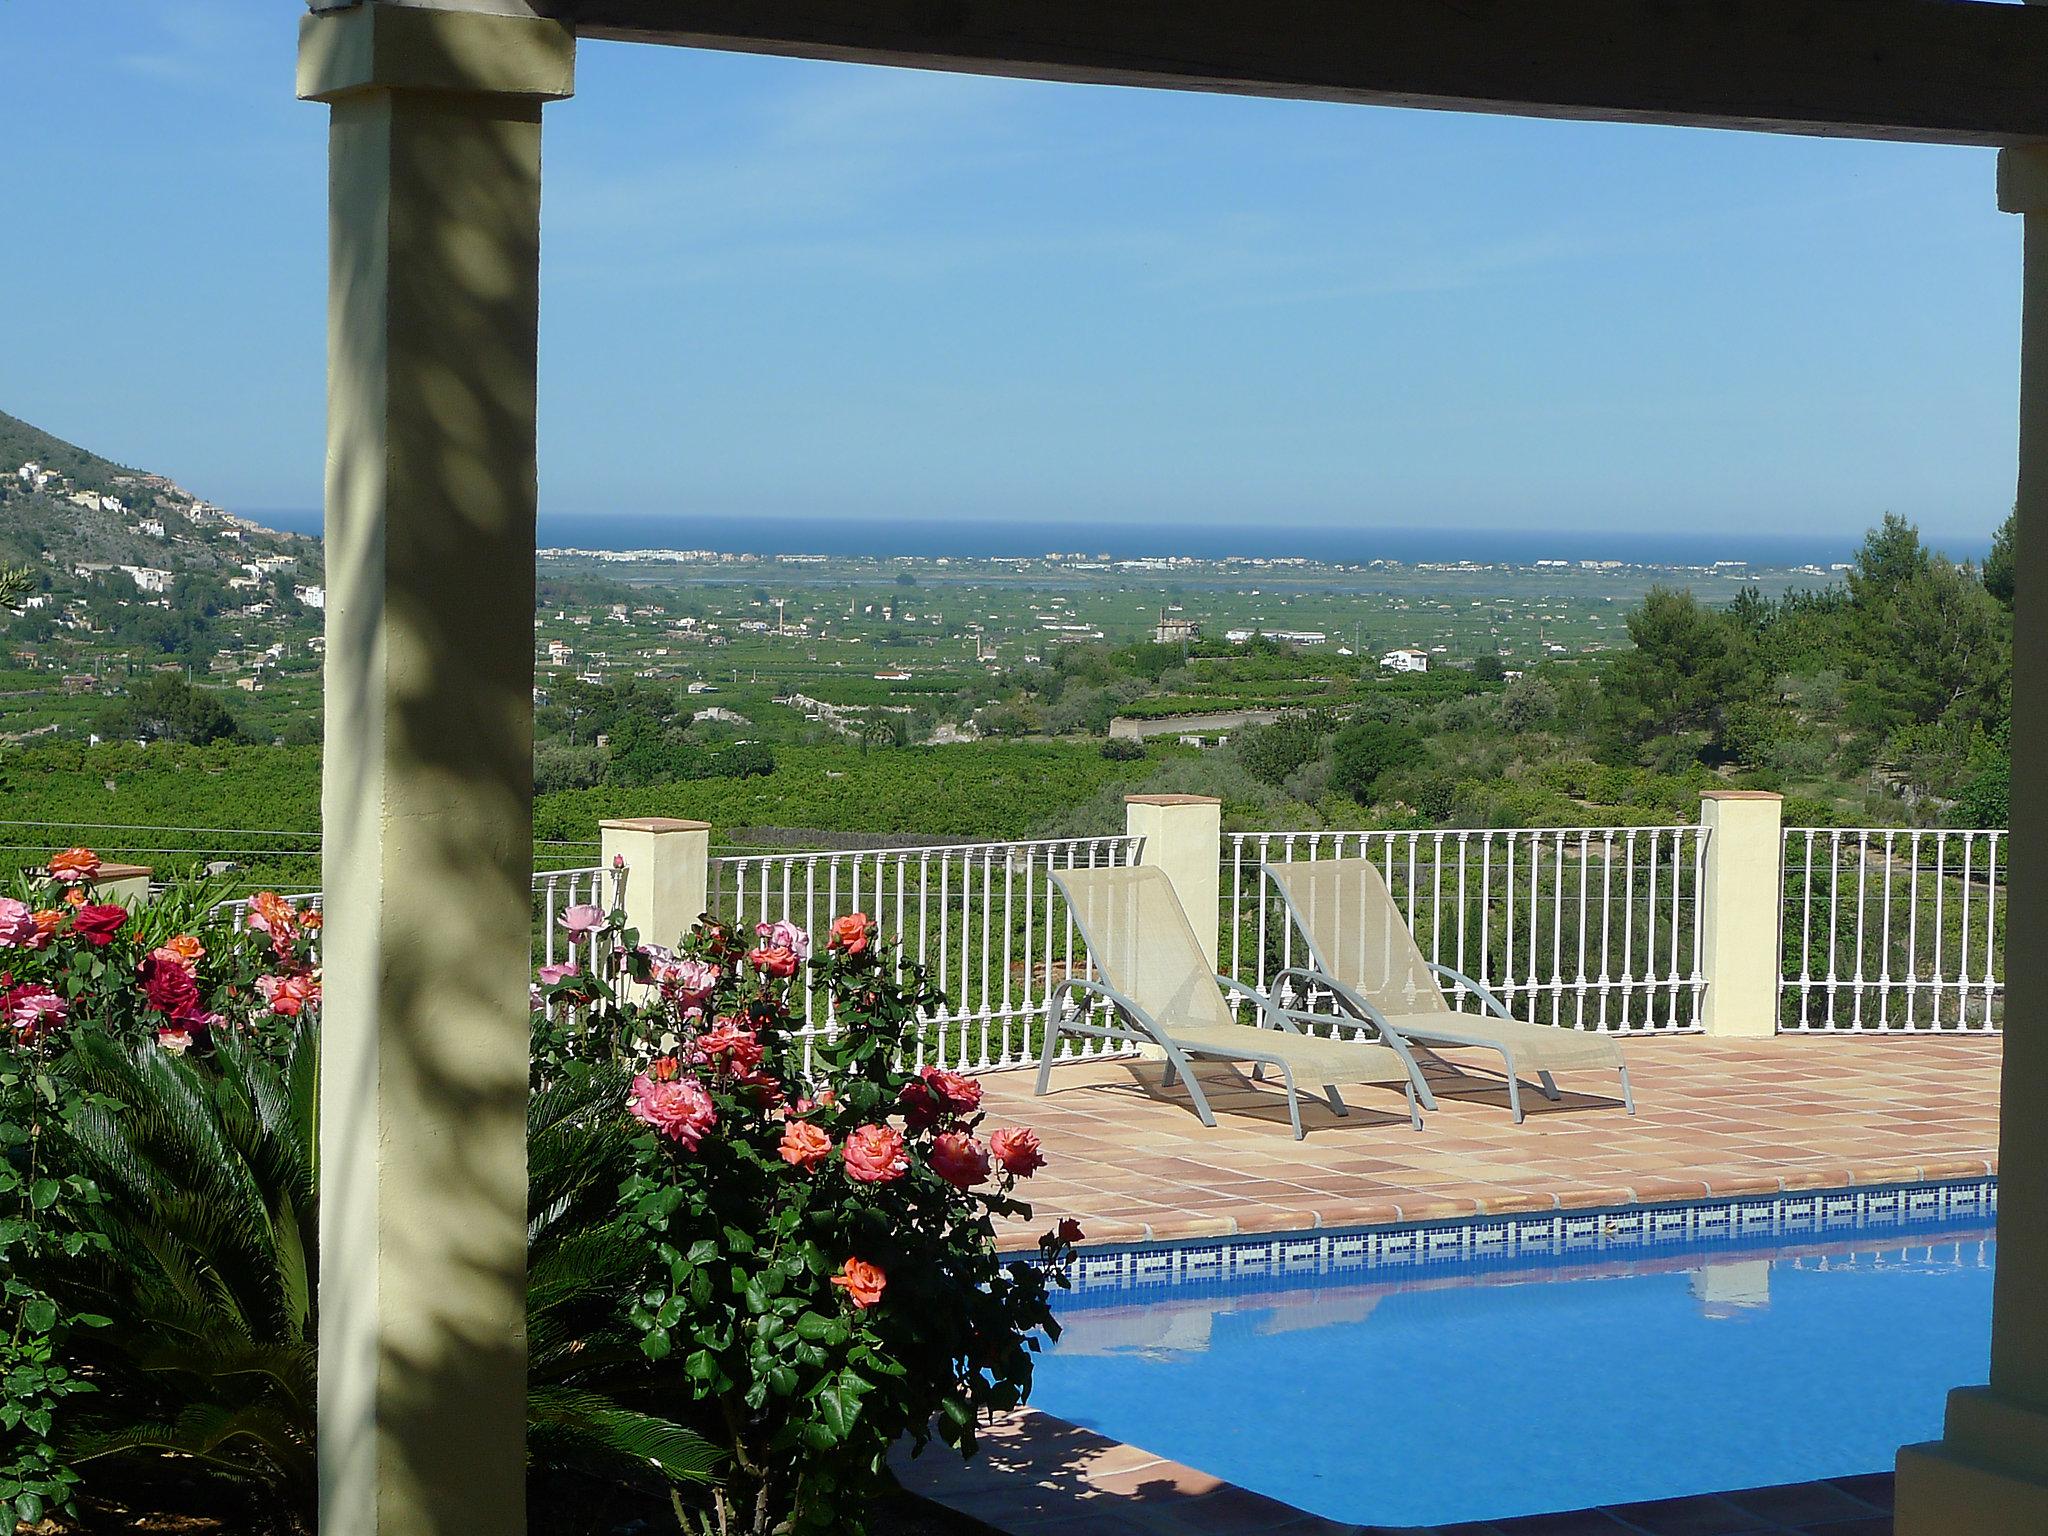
<point>1714,1117</point>
<point>1041,1476</point>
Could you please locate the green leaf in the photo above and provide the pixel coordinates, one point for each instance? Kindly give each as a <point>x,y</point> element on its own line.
<point>43,1193</point>
<point>40,1315</point>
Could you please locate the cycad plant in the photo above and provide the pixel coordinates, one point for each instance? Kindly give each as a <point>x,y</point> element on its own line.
<point>210,1176</point>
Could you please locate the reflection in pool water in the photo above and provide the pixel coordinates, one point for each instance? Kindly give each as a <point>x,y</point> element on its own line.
<point>1481,1393</point>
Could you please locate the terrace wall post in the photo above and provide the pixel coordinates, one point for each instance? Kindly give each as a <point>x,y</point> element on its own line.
<point>427,791</point>
<point>667,873</point>
<point>1184,836</point>
<point>1989,1471</point>
<point>1740,898</point>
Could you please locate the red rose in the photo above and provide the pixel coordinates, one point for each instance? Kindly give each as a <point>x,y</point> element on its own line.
<point>959,1159</point>
<point>97,925</point>
<point>1069,1232</point>
<point>1017,1150</point>
<point>936,1095</point>
<point>168,986</point>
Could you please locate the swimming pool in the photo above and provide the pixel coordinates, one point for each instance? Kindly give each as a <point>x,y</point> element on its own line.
<point>1478,1370</point>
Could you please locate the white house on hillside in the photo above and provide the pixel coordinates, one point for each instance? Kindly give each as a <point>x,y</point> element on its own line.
<point>1406,661</point>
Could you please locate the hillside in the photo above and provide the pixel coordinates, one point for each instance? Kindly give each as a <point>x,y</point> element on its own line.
<point>63,507</point>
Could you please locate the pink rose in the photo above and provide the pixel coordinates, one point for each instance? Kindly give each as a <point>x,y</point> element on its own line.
<point>959,1159</point>
<point>289,996</point>
<point>17,924</point>
<point>580,922</point>
<point>688,983</point>
<point>784,935</point>
<point>874,1155</point>
<point>1017,1150</point>
<point>550,974</point>
<point>676,1106</point>
<point>33,1010</point>
<point>804,1145</point>
<point>175,1038</point>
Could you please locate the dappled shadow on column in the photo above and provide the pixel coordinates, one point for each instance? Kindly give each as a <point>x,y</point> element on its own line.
<point>428,807</point>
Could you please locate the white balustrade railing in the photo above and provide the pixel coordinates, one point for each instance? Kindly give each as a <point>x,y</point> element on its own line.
<point>1584,927</point>
<point>554,892</point>
<point>984,919</point>
<point>1893,930</point>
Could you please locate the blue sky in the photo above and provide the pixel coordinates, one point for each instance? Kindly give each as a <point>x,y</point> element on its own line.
<point>781,288</point>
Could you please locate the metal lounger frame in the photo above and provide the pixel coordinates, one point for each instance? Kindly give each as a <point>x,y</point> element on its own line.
<point>1318,975</point>
<point>1179,1054</point>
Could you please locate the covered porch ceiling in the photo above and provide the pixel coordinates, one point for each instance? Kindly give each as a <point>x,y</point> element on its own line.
<point>1926,71</point>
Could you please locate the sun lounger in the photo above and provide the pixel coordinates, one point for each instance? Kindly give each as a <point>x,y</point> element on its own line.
<point>1362,953</point>
<point>1151,971</point>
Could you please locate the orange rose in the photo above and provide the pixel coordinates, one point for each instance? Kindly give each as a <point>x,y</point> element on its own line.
<point>850,933</point>
<point>186,948</point>
<point>75,865</point>
<point>874,1155</point>
<point>804,1145</point>
<point>270,913</point>
<point>863,1282</point>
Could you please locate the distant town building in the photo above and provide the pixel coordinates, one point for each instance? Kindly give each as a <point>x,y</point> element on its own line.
<point>312,597</point>
<point>1176,631</point>
<point>148,578</point>
<point>1406,661</point>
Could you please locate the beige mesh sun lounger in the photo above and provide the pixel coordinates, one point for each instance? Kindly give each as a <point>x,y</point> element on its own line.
<point>1154,975</point>
<point>1362,952</point>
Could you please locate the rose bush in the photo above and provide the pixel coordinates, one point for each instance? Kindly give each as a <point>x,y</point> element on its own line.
<point>750,1255</point>
<point>72,970</point>
<point>819,1213</point>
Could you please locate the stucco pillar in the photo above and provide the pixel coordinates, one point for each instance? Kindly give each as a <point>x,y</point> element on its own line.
<point>1741,897</point>
<point>667,870</point>
<point>434,208</point>
<point>1184,836</point>
<point>1988,1474</point>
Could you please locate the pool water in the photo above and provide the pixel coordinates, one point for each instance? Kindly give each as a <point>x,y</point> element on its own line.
<point>1483,1391</point>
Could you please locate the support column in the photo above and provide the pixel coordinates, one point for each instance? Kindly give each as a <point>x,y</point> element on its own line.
<point>1184,836</point>
<point>434,208</point>
<point>667,869</point>
<point>1988,1474</point>
<point>1742,896</point>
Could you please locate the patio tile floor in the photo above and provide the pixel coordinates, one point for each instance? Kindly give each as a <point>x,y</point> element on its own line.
<point>1714,1117</point>
<point>1041,1476</point>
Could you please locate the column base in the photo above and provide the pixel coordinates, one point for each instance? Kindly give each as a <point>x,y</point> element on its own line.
<point>1986,1476</point>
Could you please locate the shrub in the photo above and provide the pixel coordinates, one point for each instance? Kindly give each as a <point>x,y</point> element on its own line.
<point>1364,752</point>
<point>159,1221</point>
<point>1123,749</point>
<point>820,1216</point>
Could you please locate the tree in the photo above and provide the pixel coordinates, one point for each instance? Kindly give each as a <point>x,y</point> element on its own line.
<point>2001,565</point>
<point>1489,669</point>
<point>1689,665</point>
<point>1364,752</point>
<point>167,708</point>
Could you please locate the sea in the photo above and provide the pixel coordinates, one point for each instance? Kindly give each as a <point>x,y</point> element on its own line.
<point>962,539</point>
